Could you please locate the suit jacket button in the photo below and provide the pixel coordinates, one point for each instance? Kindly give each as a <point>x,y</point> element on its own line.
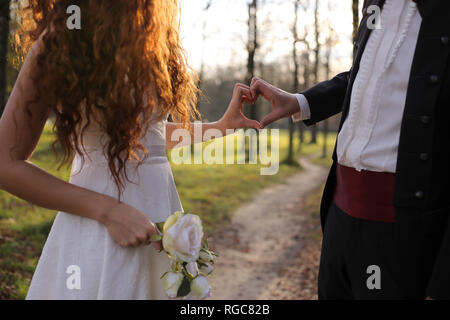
<point>424,156</point>
<point>419,195</point>
<point>425,119</point>
<point>445,40</point>
<point>434,79</point>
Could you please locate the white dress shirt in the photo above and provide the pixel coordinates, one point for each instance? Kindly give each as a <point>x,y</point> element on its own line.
<point>370,135</point>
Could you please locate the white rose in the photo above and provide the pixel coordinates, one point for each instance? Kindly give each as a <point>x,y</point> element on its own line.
<point>183,234</point>
<point>172,282</point>
<point>206,268</point>
<point>206,256</point>
<point>192,268</point>
<point>199,288</point>
<point>171,220</point>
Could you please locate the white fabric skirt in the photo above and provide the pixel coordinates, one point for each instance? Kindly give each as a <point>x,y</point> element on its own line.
<point>81,247</point>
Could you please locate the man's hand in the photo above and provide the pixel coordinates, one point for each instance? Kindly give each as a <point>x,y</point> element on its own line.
<point>283,103</point>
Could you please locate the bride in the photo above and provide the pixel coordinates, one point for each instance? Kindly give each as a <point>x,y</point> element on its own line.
<point>109,89</point>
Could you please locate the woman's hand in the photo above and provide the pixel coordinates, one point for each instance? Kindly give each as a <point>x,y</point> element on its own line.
<point>234,117</point>
<point>129,227</point>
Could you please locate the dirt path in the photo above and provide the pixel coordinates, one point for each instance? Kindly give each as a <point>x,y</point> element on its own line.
<point>266,251</point>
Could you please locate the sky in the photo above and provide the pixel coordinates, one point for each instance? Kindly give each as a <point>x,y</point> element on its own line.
<point>226,30</point>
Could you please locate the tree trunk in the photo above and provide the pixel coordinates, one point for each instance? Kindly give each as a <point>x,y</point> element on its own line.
<point>295,84</point>
<point>201,74</point>
<point>329,49</point>
<point>307,83</point>
<point>301,129</point>
<point>252,47</point>
<point>316,60</point>
<point>4,35</point>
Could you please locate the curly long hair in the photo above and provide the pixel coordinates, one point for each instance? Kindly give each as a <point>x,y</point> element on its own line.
<point>126,50</point>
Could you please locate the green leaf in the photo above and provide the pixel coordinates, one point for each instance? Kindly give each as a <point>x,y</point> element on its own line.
<point>156,238</point>
<point>160,226</point>
<point>164,275</point>
<point>187,274</point>
<point>185,288</point>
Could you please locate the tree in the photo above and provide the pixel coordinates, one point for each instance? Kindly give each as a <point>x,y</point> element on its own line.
<point>4,36</point>
<point>330,42</point>
<point>295,82</point>
<point>306,63</point>
<point>201,74</point>
<point>316,59</point>
<point>252,46</point>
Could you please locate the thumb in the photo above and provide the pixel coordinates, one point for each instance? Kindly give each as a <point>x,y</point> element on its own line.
<point>253,124</point>
<point>270,118</point>
<point>157,245</point>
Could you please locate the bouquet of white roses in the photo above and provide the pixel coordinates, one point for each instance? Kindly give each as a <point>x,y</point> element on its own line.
<point>192,260</point>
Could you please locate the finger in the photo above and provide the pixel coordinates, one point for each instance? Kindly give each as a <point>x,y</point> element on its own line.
<point>270,118</point>
<point>254,80</point>
<point>248,123</point>
<point>243,88</point>
<point>157,245</point>
<point>260,87</point>
<point>243,85</point>
<point>151,231</point>
<point>148,241</point>
<point>243,92</point>
<point>134,243</point>
<point>254,88</point>
<point>253,124</point>
<point>251,99</point>
<point>122,243</point>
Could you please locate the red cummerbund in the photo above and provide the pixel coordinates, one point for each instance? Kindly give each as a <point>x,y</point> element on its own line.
<point>365,195</point>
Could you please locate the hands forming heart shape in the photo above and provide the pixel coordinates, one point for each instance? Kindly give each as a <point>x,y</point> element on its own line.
<point>283,104</point>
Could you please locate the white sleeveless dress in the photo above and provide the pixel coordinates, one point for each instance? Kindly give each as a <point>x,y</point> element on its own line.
<point>81,246</point>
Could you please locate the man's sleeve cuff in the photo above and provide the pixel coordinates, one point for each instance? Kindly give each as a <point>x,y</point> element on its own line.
<point>305,112</point>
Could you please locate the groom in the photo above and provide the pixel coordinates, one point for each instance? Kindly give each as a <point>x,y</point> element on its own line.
<point>385,209</point>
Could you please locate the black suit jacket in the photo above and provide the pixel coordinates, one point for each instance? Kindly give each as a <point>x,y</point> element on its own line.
<point>422,184</point>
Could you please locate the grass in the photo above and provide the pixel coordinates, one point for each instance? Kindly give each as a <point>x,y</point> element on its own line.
<point>316,150</point>
<point>312,208</point>
<point>212,191</point>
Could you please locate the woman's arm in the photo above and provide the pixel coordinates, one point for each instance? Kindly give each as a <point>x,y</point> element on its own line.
<point>231,120</point>
<point>19,135</point>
